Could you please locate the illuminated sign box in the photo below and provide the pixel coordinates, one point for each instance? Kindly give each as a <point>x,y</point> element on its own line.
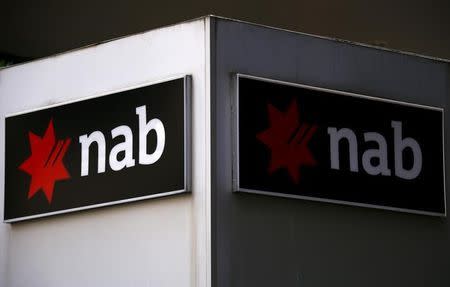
<point>306,142</point>
<point>125,146</point>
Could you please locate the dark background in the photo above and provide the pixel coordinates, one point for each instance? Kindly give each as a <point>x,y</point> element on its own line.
<point>164,101</point>
<point>33,29</point>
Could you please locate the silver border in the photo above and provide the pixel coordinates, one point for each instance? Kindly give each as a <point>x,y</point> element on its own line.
<point>187,146</point>
<point>236,158</point>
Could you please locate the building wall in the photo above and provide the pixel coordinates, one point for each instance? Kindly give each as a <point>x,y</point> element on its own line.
<point>160,242</point>
<point>269,241</point>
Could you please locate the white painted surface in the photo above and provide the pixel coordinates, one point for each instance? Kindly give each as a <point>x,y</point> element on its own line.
<point>161,242</point>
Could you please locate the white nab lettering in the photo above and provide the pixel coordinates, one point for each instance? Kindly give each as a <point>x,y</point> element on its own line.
<point>399,146</point>
<point>144,129</point>
<point>121,155</point>
<point>379,154</point>
<point>126,147</point>
<point>86,142</point>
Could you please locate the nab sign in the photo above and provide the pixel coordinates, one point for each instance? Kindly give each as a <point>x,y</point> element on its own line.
<point>110,149</point>
<point>306,142</point>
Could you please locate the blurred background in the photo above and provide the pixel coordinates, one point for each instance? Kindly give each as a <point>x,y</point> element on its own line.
<point>35,29</point>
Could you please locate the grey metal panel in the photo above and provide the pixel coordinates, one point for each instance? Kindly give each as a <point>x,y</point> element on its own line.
<point>268,241</point>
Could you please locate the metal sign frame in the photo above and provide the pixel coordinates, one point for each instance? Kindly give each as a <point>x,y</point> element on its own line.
<point>236,159</point>
<point>187,79</point>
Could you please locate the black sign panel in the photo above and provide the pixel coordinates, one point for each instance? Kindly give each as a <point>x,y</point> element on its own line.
<point>306,142</point>
<point>110,149</point>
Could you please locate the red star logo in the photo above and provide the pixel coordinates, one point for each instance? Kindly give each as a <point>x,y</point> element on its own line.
<point>45,162</point>
<point>287,138</point>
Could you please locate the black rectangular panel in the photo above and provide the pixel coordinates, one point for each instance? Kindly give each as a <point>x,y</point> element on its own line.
<point>312,143</point>
<point>111,149</point>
